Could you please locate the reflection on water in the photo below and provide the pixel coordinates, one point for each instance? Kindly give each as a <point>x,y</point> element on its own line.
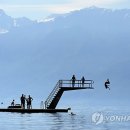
<point>59,121</point>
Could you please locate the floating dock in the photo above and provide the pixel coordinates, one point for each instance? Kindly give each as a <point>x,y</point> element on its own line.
<point>18,110</point>
<point>52,100</point>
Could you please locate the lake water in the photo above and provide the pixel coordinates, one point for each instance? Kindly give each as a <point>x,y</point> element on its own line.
<point>84,119</point>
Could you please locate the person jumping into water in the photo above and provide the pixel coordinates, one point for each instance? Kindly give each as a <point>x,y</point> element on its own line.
<point>107,83</point>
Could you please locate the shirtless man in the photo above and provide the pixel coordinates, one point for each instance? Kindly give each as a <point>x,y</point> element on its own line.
<point>107,83</point>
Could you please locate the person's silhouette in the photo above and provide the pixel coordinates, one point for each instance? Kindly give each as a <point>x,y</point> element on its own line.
<point>73,80</point>
<point>22,101</point>
<point>12,103</point>
<point>107,83</point>
<point>29,102</point>
<point>83,81</point>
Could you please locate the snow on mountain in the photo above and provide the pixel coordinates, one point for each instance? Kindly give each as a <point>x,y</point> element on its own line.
<point>2,31</point>
<point>46,20</point>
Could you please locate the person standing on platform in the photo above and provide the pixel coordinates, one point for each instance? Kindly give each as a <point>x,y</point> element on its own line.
<point>73,80</point>
<point>83,81</point>
<point>22,101</point>
<point>29,102</point>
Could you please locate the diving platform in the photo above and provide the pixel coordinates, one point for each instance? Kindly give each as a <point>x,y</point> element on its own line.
<point>50,104</point>
<point>62,86</point>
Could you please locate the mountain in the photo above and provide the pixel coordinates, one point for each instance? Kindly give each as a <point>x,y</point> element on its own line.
<point>93,42</point>
<point>7,22</point>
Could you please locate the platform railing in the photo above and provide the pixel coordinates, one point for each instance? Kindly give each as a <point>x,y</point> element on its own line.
<point>51,95</point>
<point>76,83</point>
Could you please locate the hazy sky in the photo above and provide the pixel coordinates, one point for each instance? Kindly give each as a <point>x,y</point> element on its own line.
<point>38,9</point>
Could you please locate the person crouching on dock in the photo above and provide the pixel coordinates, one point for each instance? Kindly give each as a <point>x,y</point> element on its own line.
<point>12,103</point>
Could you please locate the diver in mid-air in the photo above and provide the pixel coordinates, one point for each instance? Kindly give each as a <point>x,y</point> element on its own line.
<point>107,83</point>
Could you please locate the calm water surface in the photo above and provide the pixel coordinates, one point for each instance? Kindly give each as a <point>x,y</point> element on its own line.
<point>64,121</point>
